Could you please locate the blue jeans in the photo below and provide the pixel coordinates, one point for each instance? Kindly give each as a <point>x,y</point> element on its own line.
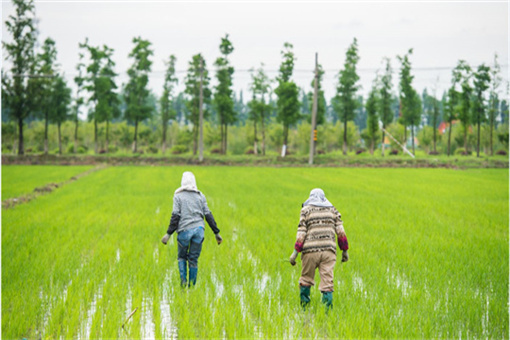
<point>190,245</point>
<point>189,248</point>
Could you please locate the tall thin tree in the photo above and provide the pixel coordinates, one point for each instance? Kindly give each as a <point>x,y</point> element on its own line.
<point>60,100</point>
<point>167,110</point>
<point>385,100</point>
<point>20,51</point>
<point>46,66</point>
<point>79,80</point>
<point>287,92</point>
<point>463,74</point>
<point>482,80</point>
<point>345,102</point>
<point>197,76</point>
<point>136,91</point>
<point>372,116</point>
<point>223,96</point>
<point>409,99</point>
<point>493,100</point>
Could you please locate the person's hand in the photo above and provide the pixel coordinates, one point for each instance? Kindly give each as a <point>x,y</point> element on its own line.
<point>293,257</point>
<point>165,238</point>
<point>218,238</point>
<point>345,256</point>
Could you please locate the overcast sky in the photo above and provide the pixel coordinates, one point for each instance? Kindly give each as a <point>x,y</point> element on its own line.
<point>440,33</point>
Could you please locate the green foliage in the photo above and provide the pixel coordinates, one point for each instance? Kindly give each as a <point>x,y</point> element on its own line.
<point>386,114</point>
<point>178,149</point>
<point>223,99</point>
<point>371,134</point>
<point>345,103</point>
<point>19,94</point>
<point>426,137</point>
<point>397,130</point>
<point>287,92</point>
<point>167,110</point>
<point>136,93</point>
<point>197,76</point>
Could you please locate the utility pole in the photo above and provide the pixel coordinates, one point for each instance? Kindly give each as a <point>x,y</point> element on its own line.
<point>201,116</point>
<point>313,134</point>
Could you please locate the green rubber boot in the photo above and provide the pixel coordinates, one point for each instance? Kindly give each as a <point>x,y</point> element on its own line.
<point>305,296</point>
<point>327,299</point>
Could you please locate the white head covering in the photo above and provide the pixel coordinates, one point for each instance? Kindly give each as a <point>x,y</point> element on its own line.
<point>188,183</point>
<point>318,199</point>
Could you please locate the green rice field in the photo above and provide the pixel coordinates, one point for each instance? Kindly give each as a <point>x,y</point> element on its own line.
<point>20,180</point>
<point>429,255</point>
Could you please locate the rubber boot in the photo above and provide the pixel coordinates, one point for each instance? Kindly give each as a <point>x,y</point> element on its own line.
<point>327,300</point>
<point>193,275</point>
<point>305,296</point>
<point>183,273</point>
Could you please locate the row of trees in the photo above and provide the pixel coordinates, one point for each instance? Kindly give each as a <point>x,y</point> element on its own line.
<point>35,89</point>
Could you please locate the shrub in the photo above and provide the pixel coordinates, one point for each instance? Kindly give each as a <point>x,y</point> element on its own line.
<point>249,151</point>
<point>433,153</point>
<point>70,148</point>
<point>82,149</point>
<point>178,149</point>
<point>152,149</point>
<point>215,151</point>
<point>321,152</point>
<point>462,151</point>
<point>501,152</point>
<point>112,149</point>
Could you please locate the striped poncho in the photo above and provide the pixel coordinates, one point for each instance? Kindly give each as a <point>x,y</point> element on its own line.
<point>317,229</point>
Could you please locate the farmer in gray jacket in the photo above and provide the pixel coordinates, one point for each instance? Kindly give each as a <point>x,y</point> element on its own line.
<point>190,208</point>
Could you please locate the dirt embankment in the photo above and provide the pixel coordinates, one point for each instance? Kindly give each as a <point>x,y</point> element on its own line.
<point>292,161</point>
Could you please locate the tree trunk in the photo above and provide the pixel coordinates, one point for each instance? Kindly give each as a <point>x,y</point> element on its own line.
<point>382,143</point>
<point>46,133</point>
<point>107,137</point>
<point>255,152</point>
<point>21,148</point>
<point>491,150</point>
<point>163,139</point>
<point>95,136</point>
<point>412,136</point>
<point>344,148</point>
<point>222,136</point>
<point>465,139</point>
<point>75,146</point>
<point>372,146</point>
<point>449,137</point>
<point>285,138</point>
<point>195,140</point>
<point>478,139</point>
<point>405,136</point>
<point>59,139</point>
<point>226,138</point>
<point>435,138</point>
<point>135,138</point>
<point>263,137</point>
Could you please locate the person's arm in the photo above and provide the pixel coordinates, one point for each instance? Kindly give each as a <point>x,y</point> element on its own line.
<point>174,220</point>
<point>211,221</point>
<point>300,237</point>
<point>342,237</point>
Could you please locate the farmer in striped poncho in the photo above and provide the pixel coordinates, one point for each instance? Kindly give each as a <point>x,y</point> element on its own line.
<point>318,225</point>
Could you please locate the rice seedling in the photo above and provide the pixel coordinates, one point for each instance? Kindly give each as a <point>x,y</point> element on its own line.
<point>428,256</point>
